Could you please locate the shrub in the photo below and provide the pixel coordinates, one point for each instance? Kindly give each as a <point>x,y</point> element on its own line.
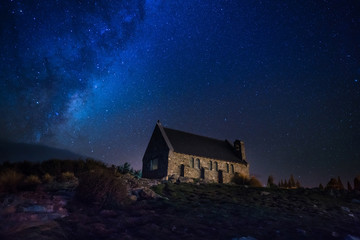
<point>47,178</point>
<point>240,179</point>
<point>243,180</point>
<point>10,180</point>
<point>335,184</point>
<point>67,176</point>
<point>126,168</point>
<point>254,182</point>
<point>30,182</point>
<point>102,187</point>
<point>32,179</point>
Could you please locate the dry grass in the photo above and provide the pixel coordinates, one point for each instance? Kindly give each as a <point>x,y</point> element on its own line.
<point>30,183</point>
<point>10,180</point>
<point>67,176</point>
<point>47,178</point>
<point>32,179</point>
<point>101,187</point>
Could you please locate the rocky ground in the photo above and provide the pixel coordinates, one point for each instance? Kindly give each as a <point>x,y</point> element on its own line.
<point>183,211</point>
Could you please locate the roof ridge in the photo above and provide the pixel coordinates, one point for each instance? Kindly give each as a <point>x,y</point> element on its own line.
<point>166,138</point>
<point>211,138</point>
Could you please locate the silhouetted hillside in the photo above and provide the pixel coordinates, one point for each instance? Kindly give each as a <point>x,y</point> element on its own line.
<point>16,152</point>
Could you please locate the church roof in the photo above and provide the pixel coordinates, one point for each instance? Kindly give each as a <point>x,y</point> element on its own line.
<point>192,144</point>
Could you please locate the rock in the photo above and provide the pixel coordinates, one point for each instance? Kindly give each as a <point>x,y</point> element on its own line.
<point>147,193</point>
<point>263,193</point>
<point>133,198</point>
<point>35,208</point>
<point>301,231</point>
<point>185,180</point>
<point>351,237</point>
<point>345,209</point>
<point>172,179</point>
<point>108,213</point>
<point>8,210</point>
<point>154,227</point>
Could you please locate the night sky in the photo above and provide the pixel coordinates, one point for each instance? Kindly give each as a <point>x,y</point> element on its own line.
<point>93,77</point>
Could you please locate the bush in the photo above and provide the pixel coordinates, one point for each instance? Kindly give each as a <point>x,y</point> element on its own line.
<point>102,187</point>
<point>30,182</point>
<point>10,180</point>
<point>254,182</point>
<point>243,180</point>
<point>47,178</point>
<point>67,176</point>
<point>32,179</point>
<point>240,179</point>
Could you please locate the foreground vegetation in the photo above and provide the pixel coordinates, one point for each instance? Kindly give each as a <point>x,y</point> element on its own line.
<point>26,175</point>
<point>95,201</point>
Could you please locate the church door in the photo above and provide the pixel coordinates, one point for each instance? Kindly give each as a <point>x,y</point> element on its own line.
<point>182,170</point>
<point>220,175</point>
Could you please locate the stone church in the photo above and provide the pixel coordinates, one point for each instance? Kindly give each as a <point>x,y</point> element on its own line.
<point>180,154</point>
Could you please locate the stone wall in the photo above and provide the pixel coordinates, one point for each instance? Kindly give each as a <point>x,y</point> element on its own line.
<point>177,159</point>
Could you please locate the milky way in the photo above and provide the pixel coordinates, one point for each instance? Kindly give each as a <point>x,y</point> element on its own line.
<point>93,77</point>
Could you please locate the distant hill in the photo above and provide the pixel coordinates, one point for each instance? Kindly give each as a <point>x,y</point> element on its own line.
<point>17,152</point>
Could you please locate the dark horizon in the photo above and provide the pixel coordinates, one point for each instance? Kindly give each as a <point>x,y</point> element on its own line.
<point>94,77</point>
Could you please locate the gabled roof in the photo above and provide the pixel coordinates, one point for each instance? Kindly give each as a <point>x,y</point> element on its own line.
<point>192,144</point>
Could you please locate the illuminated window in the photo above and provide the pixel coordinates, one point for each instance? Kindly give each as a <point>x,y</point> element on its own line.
<point>232,168</point>
<point>210,165</point>
<point>154,164</point>
<point>198,163</point>
<point>192,162</point>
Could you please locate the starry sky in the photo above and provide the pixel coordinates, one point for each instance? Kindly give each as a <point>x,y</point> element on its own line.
<point>93,77</point>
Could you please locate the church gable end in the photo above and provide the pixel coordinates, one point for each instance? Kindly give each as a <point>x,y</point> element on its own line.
<point>155,160</point>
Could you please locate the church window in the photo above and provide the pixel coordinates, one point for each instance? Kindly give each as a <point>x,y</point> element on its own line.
<point>192,162</point>
<point>232,168</point>
<point>154,164</point>
<point>198,163</point>
<point>227,167</point>
<point>216,166</point>
<point>210,166</point>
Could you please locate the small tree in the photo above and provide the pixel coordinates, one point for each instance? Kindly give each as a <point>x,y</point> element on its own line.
<point>291,182</point>
<point>285,184</point>
<point>349,186</point>
<point>297,184</point>
<point>340,184</point>
<point>270,182</point>
<point>357,183</point>
<point>126,168</point>
<point>281,184</point>
<point>321,187</point>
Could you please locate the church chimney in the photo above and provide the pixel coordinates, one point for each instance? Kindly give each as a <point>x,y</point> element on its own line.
<point>239,147</point>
